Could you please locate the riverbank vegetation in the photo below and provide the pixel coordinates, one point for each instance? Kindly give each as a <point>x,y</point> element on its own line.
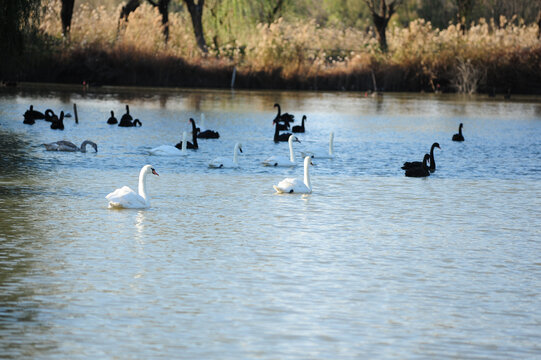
<point>336,49</point>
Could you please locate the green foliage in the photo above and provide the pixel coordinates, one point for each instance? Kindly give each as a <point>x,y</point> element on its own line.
<point>16,20</point>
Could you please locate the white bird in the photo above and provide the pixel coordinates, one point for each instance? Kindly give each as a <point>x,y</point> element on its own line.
<point>170,150</point>
<point>321,153</point>
<point>294,185</point>
<point>64,145</point>
<point>129,199</point>
<point>280,160</point>
<point>223,162</point>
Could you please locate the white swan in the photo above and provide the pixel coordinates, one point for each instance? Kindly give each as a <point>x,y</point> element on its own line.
<point>222,162</point>
<point>294,185</point>
<point>129,199</point>
<point>280,160</point>
<point>321,153</point>
<point>170,150</point>
<point>64,145</point>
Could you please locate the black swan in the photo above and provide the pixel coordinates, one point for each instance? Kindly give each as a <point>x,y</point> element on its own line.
<point>421,171</point>
<point>285,118</point>
<point>299,128</point>
<point>207,134</point>
<point>414,164</point>
<point>50,116</point>
<point>64,145</point>
<point>277,136</point>
<point>126,119</point>
<point>112,120</point>
<point>31,115</point>
<point>190,145</point>
<point>459,136</point>
<point>59,123</point>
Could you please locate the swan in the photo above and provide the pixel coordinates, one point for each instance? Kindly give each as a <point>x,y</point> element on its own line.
<point>112,120</point>
<point>280,160</point>
<point>31,115</point>
<point>190,145</point>
<point>285,117</point>
<point>421,171</point>
<point>64,145</point>
<point>299,128</point>
<point>58,124</point>
<point>170,150</point>
<point>50,116</point>
<point>129,199</point>
<point>294,185</point>
<point>321,153</point>
<point>414,164</point>
<point>459,136</point>
<point>222,162</point>
<point>277,136</point>
<point>126,119</point>
<point>206,133</point>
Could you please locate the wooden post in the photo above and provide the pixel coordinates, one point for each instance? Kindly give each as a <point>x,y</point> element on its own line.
<point>233,77</point>
<point>75,113</point>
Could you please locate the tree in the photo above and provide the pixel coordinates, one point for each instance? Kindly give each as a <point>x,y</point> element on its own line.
<point>382,11</point>
<point>66,13</point>
<point>15,19</point>
<point>196,13</point>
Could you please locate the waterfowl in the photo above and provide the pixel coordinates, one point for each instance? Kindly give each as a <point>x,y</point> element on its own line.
<point>206,133</point>
<point>190,145</point>
<point>50,116</point>
<point>170,150</point>
<point>295,185</point>
<point>112,120</point>
<point>58,124</point>
<point>459,136</point>
<point>322,153</point>
<point>299,128</point>
<point>223,162</point>
<point>421,171</point>
<point>129,199</point>
<point>64,145</point>
<point>280,160</point>
<point>414,164</point>
<point>31,115</point>
<point>285,117</point>
<point>277,136</point>
<point>126,119</point>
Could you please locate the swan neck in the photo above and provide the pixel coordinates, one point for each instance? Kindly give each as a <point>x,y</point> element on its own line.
<point>83,146</point>
<point>279,110</point>
<point>291,155</point>
<point>432,161</point>
<point>143,185</point>
<point>307,175</point>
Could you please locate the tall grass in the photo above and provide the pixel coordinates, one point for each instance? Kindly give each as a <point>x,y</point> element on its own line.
<point>299,54</point>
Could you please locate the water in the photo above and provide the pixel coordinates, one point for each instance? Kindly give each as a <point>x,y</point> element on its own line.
<point>371,265</point>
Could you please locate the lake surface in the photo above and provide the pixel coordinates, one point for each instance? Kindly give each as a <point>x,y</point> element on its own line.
<point>370,265</point>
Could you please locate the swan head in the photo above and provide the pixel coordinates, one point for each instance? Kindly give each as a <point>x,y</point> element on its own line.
<point>277,105</point>
<point>293,138</point>
<point>127,109</point>
<point>192,121</point>
<point>426,159</point>
<point>460,126</point>
<point>436,145</point>
<point>112,113</point>
<point>148,169</point>
<point>239,146</point>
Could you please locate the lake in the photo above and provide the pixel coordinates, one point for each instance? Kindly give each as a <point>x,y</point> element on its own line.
<point>372,264</point>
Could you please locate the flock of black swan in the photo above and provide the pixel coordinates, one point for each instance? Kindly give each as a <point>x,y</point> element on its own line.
<point>281,123</point>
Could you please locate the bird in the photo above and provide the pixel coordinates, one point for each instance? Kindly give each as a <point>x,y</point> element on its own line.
<point>285,117</point>
<point>413,164</point>
<point>126,119</point>
<point>190,145</point>
<point>112,120</point>
<point>64,145</point>
<point>322,153</point>
<point>31,115</point>
<point>50,116</point>
<point>280,160</point>
<point>58,124</point>
<point>421,171</point>
<point>129,199</point>
<point>459,136</point>
<point>170,150</point>
<point>223,162</point>
<point>277,136</point>
<point>299,128</point>
<point>206,133</point>
<point>295,185</point>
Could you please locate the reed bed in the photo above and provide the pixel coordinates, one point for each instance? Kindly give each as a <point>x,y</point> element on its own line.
<point>295,55</point>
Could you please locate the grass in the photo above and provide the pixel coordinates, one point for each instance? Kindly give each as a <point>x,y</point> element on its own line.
<point>290,55</point>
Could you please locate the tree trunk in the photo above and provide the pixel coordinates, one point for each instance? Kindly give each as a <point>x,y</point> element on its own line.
<point>381,15</point>
<point>381,26</point>
<point>539,25</point>
<point>196,13</point>
<point>163,7</point>
<point>65,14</point>
<point>130,7</point>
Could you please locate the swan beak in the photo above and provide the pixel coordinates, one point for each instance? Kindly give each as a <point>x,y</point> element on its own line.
<point>155,173</point>
<point>240,149</point>
<point>297,140</point>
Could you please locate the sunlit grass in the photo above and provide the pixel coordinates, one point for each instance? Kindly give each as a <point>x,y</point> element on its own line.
<point>304,51</point>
